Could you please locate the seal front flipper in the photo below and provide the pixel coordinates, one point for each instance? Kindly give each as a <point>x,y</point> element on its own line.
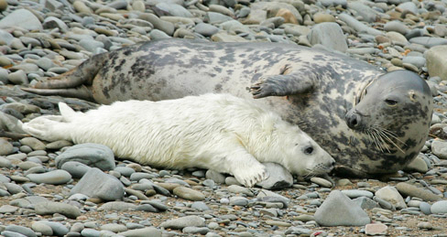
<point>282,85</point>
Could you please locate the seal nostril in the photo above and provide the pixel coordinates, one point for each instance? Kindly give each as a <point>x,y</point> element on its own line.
<point>353,121</point>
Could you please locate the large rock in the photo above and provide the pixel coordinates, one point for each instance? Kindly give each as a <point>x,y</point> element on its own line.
<point>279,177</point>
<point>96,183</point>
<point>49,208</point>
<point>94,155</point>
<point>391,195</point>
<point>338,210</point>
<point>366,12</point>
<point>357,25</point>
<point>413,191</point>
<point>437,61</point>
<point>21,18</point>
<point>330,35</point>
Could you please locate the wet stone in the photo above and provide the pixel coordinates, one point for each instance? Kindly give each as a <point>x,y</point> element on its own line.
<point>338,209</point>
<point>93,155</point>
<point>76,169</point>
<point>439,207</point>
<point>97,184</point>
<point>216,176</point>
<point>357,193</point>
<point>58,228</point>
<point>147,231</point>
<point>21,18</point>
<point>183,222</point>
<point>188,193</point>
<point>22,230</point>
<point>42,228</point>
<point>117,206</point>
<point>391,195</point>
<point>6,148</point>
<point>49,208</point>
<point>279,177</point>
<point>376,229</point>
<point>5,209</point>
<point>412,191</point>
<point>52,177</point>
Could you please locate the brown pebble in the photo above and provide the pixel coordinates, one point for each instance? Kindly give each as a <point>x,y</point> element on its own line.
<point>413,191</point>
<point>323,17</point>
<point>287,15</point>
<point>376,229</point>
<point>3,5</point>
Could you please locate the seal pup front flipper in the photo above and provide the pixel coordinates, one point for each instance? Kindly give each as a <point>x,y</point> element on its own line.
<point>282,85</point>
<point>73,83</point>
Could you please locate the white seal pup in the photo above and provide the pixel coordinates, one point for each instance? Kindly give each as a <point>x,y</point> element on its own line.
<point>213,131</point>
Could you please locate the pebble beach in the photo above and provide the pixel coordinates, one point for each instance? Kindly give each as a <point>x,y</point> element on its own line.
<point>62,189</point>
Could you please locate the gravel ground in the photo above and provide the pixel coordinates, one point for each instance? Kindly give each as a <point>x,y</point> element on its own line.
<point>41,39</point>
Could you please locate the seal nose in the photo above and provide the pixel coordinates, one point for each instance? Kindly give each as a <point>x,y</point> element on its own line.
<point>352,119</point>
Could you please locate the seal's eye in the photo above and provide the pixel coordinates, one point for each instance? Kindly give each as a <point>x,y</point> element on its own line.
<point>308,150</point>
<point>390,102</point>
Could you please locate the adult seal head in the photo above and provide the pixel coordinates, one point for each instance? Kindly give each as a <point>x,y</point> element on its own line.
<point>314,89</point>
<point>394,112</point>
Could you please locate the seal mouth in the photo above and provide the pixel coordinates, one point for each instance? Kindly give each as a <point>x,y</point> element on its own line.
<point>320,169</point>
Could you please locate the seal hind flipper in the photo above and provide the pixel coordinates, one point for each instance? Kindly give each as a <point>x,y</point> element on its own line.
<point>81,92</point>
<point>282,85</point>
<point>68,113</point>
<point>72,83</point>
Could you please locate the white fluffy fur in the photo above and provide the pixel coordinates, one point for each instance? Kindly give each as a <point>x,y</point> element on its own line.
<point>213,131</point>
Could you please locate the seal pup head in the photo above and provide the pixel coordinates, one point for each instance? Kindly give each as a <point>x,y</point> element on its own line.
<point>301,155</point>
<point>394,111</point>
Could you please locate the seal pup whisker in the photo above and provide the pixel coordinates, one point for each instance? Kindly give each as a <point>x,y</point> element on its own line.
<point>310,174</point>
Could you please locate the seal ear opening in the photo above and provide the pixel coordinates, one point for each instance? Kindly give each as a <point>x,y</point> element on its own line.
<point>412,95</point>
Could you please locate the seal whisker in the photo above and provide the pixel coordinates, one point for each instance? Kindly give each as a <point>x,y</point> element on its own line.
<point>393,135</point>
<point>382,141</point>
<point>310,174</point>
<point>387,138</point>
<point>372,132</point>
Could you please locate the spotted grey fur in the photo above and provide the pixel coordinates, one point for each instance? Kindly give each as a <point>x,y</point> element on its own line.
<point>341,102</point>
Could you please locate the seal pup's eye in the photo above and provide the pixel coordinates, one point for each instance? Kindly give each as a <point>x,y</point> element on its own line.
<point>308,150</point>
<point>390,102</point>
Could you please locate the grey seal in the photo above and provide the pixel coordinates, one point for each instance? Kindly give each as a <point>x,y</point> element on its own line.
<point>214,131</point>
<point>370,121</point>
